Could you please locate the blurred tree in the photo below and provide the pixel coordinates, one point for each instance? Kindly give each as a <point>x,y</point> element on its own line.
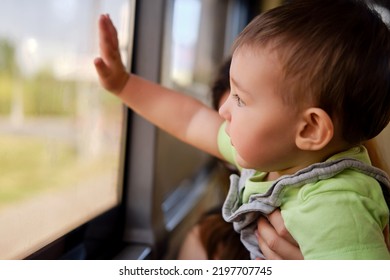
<point>7,57</point>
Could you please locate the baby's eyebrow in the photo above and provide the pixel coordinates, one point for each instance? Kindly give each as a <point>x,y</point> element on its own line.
<point>238,86</point>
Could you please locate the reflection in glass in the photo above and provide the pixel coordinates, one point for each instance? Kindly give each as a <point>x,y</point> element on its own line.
<point>185,29</point>
<point>193,44</point>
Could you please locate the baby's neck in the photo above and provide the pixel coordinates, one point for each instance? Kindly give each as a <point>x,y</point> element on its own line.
<point>272,176</point>
<point>305,162</point>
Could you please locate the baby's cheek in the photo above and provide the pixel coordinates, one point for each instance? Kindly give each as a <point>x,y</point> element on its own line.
<point>246,157</point>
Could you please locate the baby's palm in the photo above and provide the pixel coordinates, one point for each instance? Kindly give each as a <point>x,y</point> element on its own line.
<point>112,73</point>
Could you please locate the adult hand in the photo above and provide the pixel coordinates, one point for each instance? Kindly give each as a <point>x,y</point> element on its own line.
<point>275,241</point>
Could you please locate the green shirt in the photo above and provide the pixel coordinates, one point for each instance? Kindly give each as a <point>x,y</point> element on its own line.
<point>342,217</point>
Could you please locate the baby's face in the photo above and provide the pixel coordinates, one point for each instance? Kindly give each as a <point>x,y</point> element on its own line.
<point>260,125</point>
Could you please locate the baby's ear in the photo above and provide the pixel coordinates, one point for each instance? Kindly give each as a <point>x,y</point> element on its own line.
<point>315,130</point>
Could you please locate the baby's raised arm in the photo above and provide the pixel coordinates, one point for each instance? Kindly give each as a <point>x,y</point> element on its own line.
<point>182,116</point>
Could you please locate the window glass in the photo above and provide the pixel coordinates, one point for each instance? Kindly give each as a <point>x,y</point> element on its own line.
<point>60,144</point>
<point>194,45</point>
<point>185,34</point>
<point>193,49</point>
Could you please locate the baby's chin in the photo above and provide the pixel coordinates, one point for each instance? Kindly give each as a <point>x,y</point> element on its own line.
<point>243,163</point>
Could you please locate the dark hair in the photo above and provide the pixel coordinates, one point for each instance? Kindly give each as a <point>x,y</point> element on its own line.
<point>334,54</point>
<point>219,239</point>
<point>221,83</point>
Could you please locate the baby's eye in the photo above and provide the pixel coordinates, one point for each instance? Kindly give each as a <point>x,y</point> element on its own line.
<point>240,102</point>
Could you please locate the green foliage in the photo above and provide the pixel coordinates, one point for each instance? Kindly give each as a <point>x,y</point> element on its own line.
<point>31,166</point>
<point>27,167</point>
<point>5,94</point>
<point>7,57</point>
<point>44,95</point>
<point>8,68</point>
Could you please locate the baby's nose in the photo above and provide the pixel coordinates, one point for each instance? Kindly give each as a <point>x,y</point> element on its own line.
<point>224,110</point>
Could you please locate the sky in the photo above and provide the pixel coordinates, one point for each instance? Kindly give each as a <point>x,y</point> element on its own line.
<point>47,30</point>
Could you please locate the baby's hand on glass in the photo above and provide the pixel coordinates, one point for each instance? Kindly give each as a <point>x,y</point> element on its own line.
<point>112,73</point>
<point>275,241</point>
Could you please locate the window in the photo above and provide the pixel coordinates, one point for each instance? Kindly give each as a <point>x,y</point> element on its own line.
<point>194,43</point>
<point>167,179</point>
<point>61,135</point>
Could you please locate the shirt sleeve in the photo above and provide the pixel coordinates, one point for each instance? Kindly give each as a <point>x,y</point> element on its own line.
<point>337,221</point>
<point>225,147</point>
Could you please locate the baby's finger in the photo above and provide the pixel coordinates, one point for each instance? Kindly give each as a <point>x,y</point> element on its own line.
<point>108,44</point>
<point>113,33</point>
<point>101,68</point>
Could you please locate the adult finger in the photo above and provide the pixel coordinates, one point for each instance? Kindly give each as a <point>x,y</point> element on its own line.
<point>275,245</point>
<point>277,222</point>
<point>266,250</point>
